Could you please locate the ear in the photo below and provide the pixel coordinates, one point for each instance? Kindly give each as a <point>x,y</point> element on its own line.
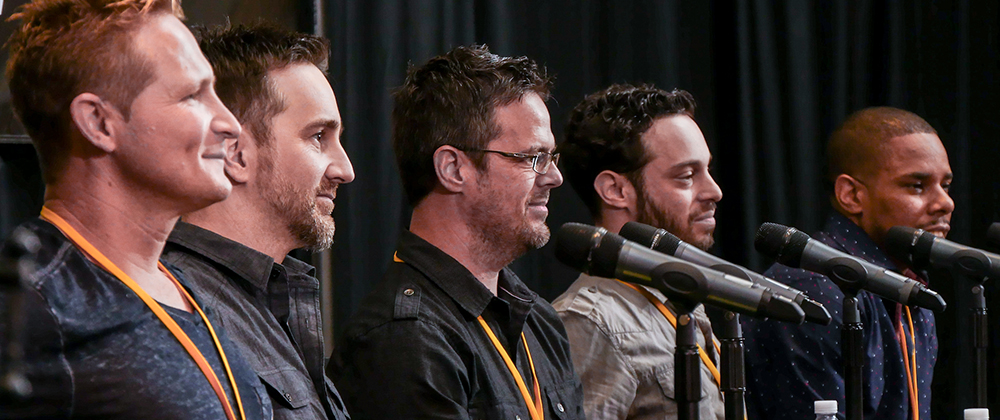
<point>615,190</point>
<point>97,120</point>
<point>240,152</point>
<point>452,168</point>
<point>850,194</point>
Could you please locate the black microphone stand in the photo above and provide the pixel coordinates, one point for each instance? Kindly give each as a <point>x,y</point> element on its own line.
<point>687,362</point>
<point>852,335</point>
<point>733,379</point>
<point>969,265</point>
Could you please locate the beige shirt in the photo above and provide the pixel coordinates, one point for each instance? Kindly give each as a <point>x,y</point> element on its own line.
<point>623,351</point>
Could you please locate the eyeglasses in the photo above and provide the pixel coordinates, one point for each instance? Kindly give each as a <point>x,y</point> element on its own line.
<point>540,161</point>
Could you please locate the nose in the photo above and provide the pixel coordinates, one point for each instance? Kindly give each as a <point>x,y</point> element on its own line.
<point>942,203</point>
<point>711,191</point>
<point>551,179</point>
<point>224,123</point>
<point>340,168</point>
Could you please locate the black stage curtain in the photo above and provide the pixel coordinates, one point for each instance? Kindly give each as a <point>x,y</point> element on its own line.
<point>772,79</point>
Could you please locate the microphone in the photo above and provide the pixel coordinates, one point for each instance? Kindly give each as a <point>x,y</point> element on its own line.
<point>665,242</point>
<point>796,249</point>
<point>597,252</point>
<point>993,235</point>
<point>924,250</point>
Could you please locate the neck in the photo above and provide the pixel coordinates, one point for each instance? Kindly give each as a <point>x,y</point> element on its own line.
<point>444,227</point>
<point>129,235</point>
<point>248,222</point>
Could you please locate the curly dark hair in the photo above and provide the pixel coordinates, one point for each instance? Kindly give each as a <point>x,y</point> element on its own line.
<point>451,100</point>
<point>243,55</point>
<point>605,133</point>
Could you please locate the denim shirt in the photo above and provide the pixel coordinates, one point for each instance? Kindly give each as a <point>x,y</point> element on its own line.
<point>272,313</point>
<point>790,366</point>
<point>93,349</point>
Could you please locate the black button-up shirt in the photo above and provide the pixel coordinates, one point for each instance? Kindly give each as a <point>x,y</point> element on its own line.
<point>790,366</point>
<point>416,350</point>
<point>271,312</point>
<point>94,350</point>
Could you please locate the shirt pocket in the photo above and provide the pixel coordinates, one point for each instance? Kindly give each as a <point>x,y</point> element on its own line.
<point>484,408</point>
<point>566,400</point>
<point>286,388</point>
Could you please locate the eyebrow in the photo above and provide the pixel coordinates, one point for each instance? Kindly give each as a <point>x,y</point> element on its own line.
<point>328,124</point>
<point>692,162</point>
<point>925,175</point>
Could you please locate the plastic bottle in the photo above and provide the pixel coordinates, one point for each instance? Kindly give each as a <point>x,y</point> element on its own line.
<point>977,414</point>
<point>826,409</point>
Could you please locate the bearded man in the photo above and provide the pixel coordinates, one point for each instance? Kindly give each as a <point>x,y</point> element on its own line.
<point>285,169</point>
<point>636,154</point>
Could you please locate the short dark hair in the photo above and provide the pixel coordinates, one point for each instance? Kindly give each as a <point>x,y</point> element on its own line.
<point>605,131</point>
<point>860,139</point>
<point>451,100</point>
<point>243,55</point>
<point>63,48</point>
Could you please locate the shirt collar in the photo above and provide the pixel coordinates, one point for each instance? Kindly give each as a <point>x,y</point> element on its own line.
<point>247,263</point>
<point>851,238</point>
<point>456,280</point>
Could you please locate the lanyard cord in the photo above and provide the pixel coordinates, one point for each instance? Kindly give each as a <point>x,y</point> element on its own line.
<point>673,321</point>
<point>534,406</point>
<point>98,258</point>
<point>911,373</point>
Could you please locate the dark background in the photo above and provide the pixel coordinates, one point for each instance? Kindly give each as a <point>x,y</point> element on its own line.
<point>772,79</point>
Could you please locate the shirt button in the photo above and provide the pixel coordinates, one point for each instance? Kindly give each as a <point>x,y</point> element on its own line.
<point>516,417</point>
<point>559,407</point>
<point>592,289</point>
<point>408,292</point>
<point>288,397</point>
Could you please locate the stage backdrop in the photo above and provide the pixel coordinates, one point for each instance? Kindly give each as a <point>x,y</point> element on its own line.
<point>772,79</point>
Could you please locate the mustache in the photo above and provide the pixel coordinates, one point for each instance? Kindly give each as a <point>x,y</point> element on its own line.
<point>327,187</point>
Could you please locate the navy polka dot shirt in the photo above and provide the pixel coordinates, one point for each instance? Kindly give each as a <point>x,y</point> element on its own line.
<point>790,366</point>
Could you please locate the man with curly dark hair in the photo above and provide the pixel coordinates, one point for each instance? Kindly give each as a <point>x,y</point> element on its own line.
<point>451,332</point>
<point>635,153</point>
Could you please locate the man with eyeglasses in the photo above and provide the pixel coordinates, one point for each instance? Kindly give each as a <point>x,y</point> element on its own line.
<point>451,332</point>
<point>635,153</point>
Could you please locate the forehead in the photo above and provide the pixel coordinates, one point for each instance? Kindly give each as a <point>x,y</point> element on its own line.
<point>675,139</point>
<point>169,46</point>
<point>912,153</point>
<point>524,125</point>
<point>306,92</point>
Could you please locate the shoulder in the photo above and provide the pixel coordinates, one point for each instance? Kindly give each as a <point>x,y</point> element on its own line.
<point>607,304</point>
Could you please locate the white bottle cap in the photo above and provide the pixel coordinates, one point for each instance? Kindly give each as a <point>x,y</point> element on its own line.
<point>825,407</point>
<point>977,414</point>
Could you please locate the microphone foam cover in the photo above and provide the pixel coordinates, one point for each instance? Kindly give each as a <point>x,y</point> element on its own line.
<point>993,234</point>
<point>781,242</point>
<point>657,239</point>
<point>589,249</point>
<point>899,243</point>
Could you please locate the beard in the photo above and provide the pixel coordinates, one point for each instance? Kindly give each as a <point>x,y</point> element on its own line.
<point>652,214</point>
<point>296,207</point>
<point>502,228</point>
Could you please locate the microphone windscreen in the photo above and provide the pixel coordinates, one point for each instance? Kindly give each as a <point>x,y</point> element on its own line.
<point>993,235</point>
<point>589,249</point>
<point>657,239</point>
<point>899,242</point>
<point>782,243</point>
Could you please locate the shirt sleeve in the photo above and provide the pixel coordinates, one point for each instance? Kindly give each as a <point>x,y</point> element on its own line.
<point>789,366</point>
<point>404,369</point>
<point>609,383</point>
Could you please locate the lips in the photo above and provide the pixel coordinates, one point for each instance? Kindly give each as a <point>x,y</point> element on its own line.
<point>938,228</point>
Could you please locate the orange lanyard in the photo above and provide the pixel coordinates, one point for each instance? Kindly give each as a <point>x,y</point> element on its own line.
<point>908,361</point>
<point>534,405</point>
<point>673,321</point>
<point>98,258</point>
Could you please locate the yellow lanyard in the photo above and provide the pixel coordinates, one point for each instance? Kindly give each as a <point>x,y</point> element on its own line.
<point>98,258</point>
<point>673,321</point>
<point>534,405</point>
<point>908,361</point>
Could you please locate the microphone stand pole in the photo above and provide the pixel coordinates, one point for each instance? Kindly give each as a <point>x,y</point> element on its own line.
<point>980,341</point>
<point>733,379</point>
<point>687,363</point>
<point>851,337</point>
